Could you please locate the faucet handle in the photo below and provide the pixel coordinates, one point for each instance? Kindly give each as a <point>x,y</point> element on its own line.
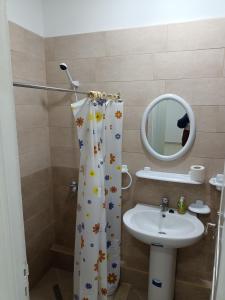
<point>165,200</point>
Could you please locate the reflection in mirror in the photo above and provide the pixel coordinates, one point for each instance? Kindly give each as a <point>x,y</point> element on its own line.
<point>167,127</point>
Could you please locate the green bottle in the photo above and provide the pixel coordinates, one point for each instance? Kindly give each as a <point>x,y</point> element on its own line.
<point>181,205</point>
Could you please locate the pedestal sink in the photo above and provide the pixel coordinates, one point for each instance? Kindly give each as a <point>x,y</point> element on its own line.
<point>165,232</point>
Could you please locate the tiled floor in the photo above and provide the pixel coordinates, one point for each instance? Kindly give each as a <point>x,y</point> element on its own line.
<point>44,289</point>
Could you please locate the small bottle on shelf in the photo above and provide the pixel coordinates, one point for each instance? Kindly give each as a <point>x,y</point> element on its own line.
<point>181,206</point>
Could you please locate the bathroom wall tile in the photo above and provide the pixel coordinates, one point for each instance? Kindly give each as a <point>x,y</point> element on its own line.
<point>61,116</point>
<point>139,257</point>
<point>28,61</point>
<point>211,145</point>
<point>36,203</point>
<point>136,93</point>
<point>188,64</point>
<point>138,279</point>
<point>35,183</point>
<point>23,40</point>
<point>210,118</point>
<point>63,175</point>
<point>204,91</point>
<point>137,161</point>
<point>31,116</point>
<point>221,119</point>
<point>138,294</point>
<point>37,223</point>
<point>185,291</point>
<point>26,96</point>
<point>39,266</point>
<point>63,136</point>
<point>17,37</point>
<point>206,118</point>
<point>196,262</point>
<point>35,161</point>
<point>133,116</point>
<point>31,139</point>
<point>216,166</point>
<point>65,157</point>
<point>136,40</point>
<point>65,215</point>
<point>196,35</point>
<point>80,69</point>
<point>41,242</point>
<point>35,44</point>
<point>124,68</point>
<point>60,99</point>
<point>132,141</point>
<point>76,46</point>
<point>35,72</point>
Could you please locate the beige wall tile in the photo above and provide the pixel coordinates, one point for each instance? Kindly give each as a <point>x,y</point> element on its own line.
<point>63,175</point>
<point>204,91</point>
<point>188,64</point>
<point>23,40</point>
<point>124,68</point>
<point>65,157</point>
<point>42,241</point>
<point>36,203</point>
<point>26,66</point>
<point>61,116</point>
<point>17,37</point>
<point>39,266</point>
<point>211,145</point>
<point>196,35</point>
<point>221,119</point>
<point>80,69</point>
<point>35,44</point>
<point>132,141</point>
<point>133,117</point>
<point>35,183</point>
<point>136,40</point>
<point>32,139</point>
<point>35,161</point>
<point>37,223</point>
<point>31,116</point>
<point>136,93</point>
<point>63,136</point>
<point>137,161</point>
<point>24,96</point>
<point>59,99</point>
<point>65,215</point>
<point>76,46</point>
<point>206,118</point>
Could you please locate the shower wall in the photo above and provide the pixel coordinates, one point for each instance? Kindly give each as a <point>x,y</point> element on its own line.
<point>28,63</point>
<point>186,59</point>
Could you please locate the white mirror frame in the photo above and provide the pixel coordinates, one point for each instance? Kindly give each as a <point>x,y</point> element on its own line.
<point>191,137</point>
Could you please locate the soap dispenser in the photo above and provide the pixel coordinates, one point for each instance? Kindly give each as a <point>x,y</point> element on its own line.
<point>181,205</point>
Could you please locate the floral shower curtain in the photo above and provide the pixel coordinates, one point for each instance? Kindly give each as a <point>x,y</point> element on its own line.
<point>98,225</point>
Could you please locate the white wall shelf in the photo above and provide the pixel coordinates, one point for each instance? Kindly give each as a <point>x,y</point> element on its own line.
<point>218,185</point>
<point>163,176</point>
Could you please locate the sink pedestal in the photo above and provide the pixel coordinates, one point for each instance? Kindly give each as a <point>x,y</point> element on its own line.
<point>162,267</point>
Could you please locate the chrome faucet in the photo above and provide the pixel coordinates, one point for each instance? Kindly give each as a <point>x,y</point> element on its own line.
<point>164,204</point>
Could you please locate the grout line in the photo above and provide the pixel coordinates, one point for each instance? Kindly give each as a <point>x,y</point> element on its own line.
<point>134,54</point>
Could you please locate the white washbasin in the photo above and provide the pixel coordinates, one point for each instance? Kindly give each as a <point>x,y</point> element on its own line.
<point>147,224</point>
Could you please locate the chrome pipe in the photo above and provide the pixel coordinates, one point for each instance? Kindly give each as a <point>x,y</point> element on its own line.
<point>43,87</point>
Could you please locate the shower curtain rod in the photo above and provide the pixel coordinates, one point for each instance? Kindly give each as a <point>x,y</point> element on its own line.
<point>43,87</point>
<point>91,94</point>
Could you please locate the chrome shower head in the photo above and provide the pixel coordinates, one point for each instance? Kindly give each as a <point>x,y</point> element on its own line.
<point>64,67</point>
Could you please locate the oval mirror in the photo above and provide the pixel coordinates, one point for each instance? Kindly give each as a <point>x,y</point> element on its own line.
<point>168,127</point>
